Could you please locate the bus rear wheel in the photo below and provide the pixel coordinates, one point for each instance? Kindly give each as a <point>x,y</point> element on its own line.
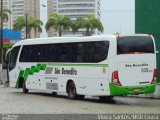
<point>25,90</point>
<point>80,97</point>
<point>54,93</point>
<point>72,94</point>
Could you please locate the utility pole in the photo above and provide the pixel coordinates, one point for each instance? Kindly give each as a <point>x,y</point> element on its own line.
<point>1,44</point>
<point>26,15</point>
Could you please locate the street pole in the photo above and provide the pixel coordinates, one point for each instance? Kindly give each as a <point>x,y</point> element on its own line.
<point>1,45</point>
<point>26,15</point>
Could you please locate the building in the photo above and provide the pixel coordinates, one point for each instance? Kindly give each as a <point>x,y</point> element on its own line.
<point>36,8</point>
<point>23,8</point>
<point>10,36</point>
<point>78,8</point>
<point>6,24</point>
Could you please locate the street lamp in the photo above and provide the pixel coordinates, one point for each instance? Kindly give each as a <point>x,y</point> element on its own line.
<point>1,45</point>
<point>26,19</point>
<point>26,16</point>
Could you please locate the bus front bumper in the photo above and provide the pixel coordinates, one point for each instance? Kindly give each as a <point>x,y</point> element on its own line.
<point>131,90</point>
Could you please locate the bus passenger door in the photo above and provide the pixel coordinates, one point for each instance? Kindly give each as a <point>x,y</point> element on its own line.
<point>13,69</point>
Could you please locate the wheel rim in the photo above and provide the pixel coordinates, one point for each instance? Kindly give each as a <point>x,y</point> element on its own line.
<point>72,91</point>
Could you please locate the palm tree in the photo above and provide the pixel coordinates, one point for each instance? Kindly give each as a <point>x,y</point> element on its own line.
<point>58,23</point>
<point>5,14</point>
<point>35,24</point>
<point>92,23</point>
<point>77,24</point>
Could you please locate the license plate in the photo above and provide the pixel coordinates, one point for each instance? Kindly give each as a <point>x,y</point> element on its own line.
<point>137,90</point>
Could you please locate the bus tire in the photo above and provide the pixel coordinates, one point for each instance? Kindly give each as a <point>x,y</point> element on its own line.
<point>25,90</point>
<point>72,93</point>
<point>103,98</point>
<point>54,93</point>
<point>80,97</point>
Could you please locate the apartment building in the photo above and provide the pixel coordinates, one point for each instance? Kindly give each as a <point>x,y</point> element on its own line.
<point>23,8</point>
<point>6,24</point>
<point>78,8</point>
<point>71,8</point>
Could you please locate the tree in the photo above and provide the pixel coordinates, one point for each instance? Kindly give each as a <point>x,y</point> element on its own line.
<point>77,24</point>
<point>58,23</point>
<point>5,14</point>
<point>35,24</point>
<point>92,23</point>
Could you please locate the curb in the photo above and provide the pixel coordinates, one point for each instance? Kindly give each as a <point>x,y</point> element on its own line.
<point>4,86</point>
<point>1,86</point>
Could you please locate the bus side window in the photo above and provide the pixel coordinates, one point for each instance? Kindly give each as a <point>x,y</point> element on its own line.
<point>39,53</point>
<point>74,52</point>
<point>54,53</point>
<point>27,54</point>
<point>30,50</point>
<point>69,53</point>
<point>89,51</point>
<point>97,52</point>
<point>13,57</point>
<point>80,52</point>
<point>101,51</point>
<point>47,53</point>
<point>63,53</point>
<point>34,53</point>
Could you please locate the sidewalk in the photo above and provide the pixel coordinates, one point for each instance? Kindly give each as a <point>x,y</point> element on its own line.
<point>1,86</point>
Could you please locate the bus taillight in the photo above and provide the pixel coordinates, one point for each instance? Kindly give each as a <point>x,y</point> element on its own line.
<point>154,76</point>
<point>115,78</point>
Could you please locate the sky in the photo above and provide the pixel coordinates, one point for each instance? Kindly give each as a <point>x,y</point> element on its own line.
<point>118,16</point>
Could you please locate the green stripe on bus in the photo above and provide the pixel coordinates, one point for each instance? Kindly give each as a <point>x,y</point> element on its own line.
<point>43,66</point>
<point>20,75</point>
<point>126,90</point>
<point>78,65</point>
<point>36,69</point>
<point>30,71</point>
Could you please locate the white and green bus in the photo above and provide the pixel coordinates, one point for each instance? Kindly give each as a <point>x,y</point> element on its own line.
<point>103,66</point>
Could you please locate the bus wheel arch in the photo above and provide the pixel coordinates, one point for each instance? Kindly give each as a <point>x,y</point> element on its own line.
<point>71,89</point>
<point>21,80</point>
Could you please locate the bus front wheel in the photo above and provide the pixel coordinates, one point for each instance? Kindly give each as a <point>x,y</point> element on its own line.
<point>25,90</point>
<point>72,94</point>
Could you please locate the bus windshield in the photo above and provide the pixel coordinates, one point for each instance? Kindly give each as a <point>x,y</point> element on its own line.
<point>135,44</point>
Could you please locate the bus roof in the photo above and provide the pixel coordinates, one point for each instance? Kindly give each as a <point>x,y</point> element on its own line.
<point>64,39</point>
<point>50,40</point>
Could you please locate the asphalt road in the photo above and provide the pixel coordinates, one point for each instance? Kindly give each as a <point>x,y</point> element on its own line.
<point>13,101</point>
